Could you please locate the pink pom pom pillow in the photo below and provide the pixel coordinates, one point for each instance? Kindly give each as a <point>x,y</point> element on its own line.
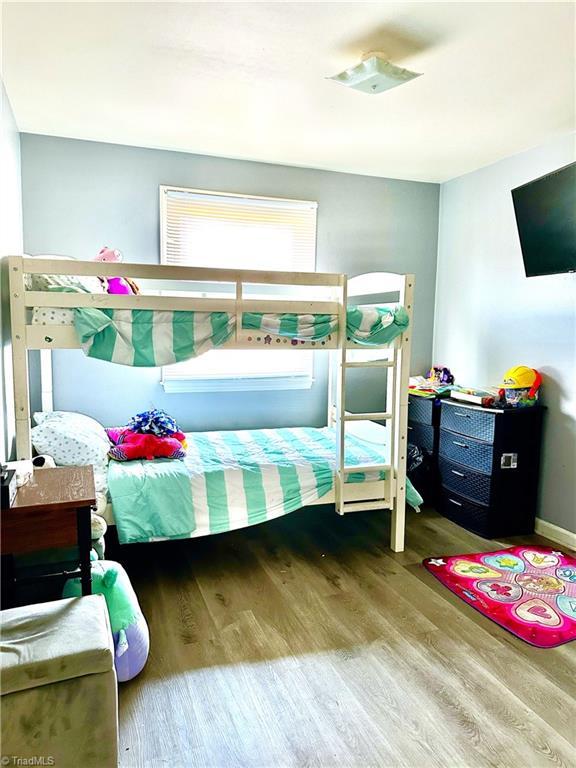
<point>134,445</point>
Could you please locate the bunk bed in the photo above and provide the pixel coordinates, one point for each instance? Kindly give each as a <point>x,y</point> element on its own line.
<point>245,310</point>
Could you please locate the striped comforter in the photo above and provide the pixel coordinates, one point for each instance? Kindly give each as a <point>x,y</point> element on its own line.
<point>150,338</point>
<point>370,326</point>
<point>240,478</point>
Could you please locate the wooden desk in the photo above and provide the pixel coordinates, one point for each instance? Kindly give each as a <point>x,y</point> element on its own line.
<point>51,511</point>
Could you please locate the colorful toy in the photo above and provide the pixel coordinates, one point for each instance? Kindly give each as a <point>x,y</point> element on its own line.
<point>520,385</point>
<point>156,422</point>
<point>439,374</point>
<point>129,627</point>
<point>149,435</point>
<point>115,285</point>
<point>134,445</point>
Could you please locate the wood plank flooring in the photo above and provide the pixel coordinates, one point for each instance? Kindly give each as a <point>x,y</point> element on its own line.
<point>306,642</point>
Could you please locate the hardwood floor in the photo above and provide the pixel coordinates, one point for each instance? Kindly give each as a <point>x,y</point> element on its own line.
<point>306,642</point>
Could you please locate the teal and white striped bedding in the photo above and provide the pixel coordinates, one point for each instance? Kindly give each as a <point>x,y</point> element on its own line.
<point>240,478</point>
<point>364,325</point>
<point>149,338</point>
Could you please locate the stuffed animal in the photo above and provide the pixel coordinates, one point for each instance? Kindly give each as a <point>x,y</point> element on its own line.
<point>440,375</point>
<point>115,285</point>
<point>98,529</point>
<point>129,627</point>
<point>134,445</point>
<point>43,462</point>
<point>149,435</point>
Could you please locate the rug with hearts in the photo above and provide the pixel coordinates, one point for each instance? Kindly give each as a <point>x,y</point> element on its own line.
<point>530,591</point>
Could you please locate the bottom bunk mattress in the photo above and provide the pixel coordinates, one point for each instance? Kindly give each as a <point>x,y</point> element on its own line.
<point>234,479</point>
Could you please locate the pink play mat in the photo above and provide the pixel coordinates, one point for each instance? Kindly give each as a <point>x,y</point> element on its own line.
<point>530,591</point>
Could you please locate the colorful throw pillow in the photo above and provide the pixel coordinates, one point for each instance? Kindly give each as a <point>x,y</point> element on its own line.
<point>133,445</point>
<point>115,434</point>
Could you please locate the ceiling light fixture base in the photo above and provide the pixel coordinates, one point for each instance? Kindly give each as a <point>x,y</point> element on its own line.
<point>374,74</point>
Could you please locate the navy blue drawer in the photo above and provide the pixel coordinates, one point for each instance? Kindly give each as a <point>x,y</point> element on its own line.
<point>465,450</point>
<point>474,422</point>
<point>464,481</point>
<point>423,410</point>
<point>475,517</point>
<point>421,435</point>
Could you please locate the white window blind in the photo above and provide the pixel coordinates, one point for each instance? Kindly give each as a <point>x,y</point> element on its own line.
<point>212,229</point>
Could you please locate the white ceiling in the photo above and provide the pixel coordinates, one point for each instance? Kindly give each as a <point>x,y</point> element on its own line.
<point>246,80</point>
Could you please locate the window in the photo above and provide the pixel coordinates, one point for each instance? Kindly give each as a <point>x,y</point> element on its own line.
<point>212,229</point>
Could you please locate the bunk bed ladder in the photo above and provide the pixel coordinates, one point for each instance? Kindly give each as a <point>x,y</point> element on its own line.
<point>339,416</point>
<point>342,418</point>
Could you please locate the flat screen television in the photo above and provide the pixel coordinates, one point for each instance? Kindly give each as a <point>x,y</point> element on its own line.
<point>546,218</point>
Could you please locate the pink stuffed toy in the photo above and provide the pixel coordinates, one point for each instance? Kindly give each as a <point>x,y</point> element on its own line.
<point>135,445</point>
<point>116,285</point>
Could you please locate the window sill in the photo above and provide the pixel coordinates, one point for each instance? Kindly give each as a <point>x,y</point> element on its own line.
<point>245,384</point>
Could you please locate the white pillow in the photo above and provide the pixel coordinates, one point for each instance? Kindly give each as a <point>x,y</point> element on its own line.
<point>71,439</point>
<point>74,283</point>
<point>72,418</point>
<point>52,316</point>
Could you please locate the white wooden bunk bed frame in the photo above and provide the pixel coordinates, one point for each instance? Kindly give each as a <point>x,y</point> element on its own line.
<point>347,497</point>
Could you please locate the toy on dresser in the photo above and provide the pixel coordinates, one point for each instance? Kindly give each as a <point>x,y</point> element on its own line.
<point>520,386</point>
<point>115,285</point>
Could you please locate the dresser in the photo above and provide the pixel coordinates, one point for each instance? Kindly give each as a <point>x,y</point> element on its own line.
<point>52,511</point>
<point>489,461</point>
<point>424,432</point>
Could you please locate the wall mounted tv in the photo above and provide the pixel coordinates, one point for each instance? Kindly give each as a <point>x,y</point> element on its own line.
<point>546,218</point>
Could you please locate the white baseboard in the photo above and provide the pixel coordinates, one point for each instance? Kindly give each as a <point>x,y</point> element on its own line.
<point>555,533</point>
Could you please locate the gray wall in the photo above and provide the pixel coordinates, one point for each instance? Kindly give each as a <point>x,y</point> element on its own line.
<point>80,195</point>
<point>489,316</point>
<point>10,243</point>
